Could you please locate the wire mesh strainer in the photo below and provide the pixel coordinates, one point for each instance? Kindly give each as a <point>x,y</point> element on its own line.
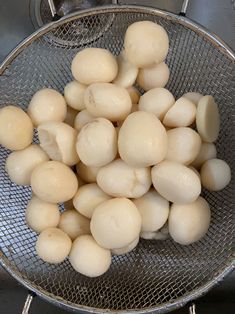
<point>158,275</point>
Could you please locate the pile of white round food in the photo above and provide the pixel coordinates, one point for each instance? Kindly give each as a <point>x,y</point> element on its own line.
<point>140,160</point>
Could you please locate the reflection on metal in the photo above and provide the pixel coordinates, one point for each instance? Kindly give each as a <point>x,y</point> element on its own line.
<point>27,304</point>
<point>184,7</point>
<point>192,309</point>
<point>52,7</point>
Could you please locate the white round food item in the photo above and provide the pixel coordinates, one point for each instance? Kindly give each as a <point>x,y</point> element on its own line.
<point>80,181</point>
<point>41,215</point>
<point>121,180</point>
<point>16,128</point>
<point>54,182</point>
<point>74,95</point>
<point>176,182</point>
<point>134,108</point>
<point>142,140</point>
<point>82,118</point>
<point>88,258</point>
<point>94,65</point>
<point>154,210</point>
<point>97,143</point>
<point>47,105</point>
<point>115,223</point>
<point>53,245</point>
<point>215,174</point>
<point>88,174</point>
<point>208,119</point>
<point>193,96</point>
<point>158,101</point>
<point>162,234</point>
<point>58,140</point>
<point>207,151</point>
<point>108,101</point>
<point>146,43</point>
<point>188,223</point>
<point>127,72</point>
<point>183,145</point>
<point>134,94</point>
<point>20,164</point>
<point>182,113</point>
<point>87,198</point>
<point>156,75</point>
<point>124,250</point>
<point>74,224</point>
<point>70,116</point>
<point>195,171</point>
<point>147,235</point>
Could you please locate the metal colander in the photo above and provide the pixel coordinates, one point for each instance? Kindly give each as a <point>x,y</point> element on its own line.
<point>158,275</point>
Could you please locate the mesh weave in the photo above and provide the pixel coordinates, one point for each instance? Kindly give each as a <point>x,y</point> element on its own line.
<point>156,272</point>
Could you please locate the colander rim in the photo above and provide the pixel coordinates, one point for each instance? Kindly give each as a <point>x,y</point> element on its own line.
<point>223,271</point>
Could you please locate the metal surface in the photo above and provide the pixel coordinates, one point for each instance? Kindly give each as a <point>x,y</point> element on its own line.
<point>27,304</point>
<point>156,275</point>
<point>52,7</point>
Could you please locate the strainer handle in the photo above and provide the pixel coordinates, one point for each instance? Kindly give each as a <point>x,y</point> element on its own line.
<point>184,7</point>
<point>192,309</point>
<point>28,302</point>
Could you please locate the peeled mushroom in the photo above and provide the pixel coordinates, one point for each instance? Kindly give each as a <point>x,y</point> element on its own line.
<point>58,140</point>
<point>193,96</point>
<point>127,72</point>
<point>183,145</point>
<point>195,171</point>
<point>70,116</point>
<point>134,108</point>
<point>74,95</point>
<point>94,65</point>
<point>161,234</point>
<point>146,43</point>
<point>87,198</point>
<point>20,164</point>
<point>124,250</point>
<point>207,151</point>
<point>80,181</point>
<point>107,100</point>
<point>156,75</point>
<point>176,182</point>
<point>147,235</point>
<point>53,245</point>
<point>88,174</point>
<point>82,118</point>
<point>97,143</point>
<point>182,113</point>
<point>120,180</point>
<point>16,128</point>
<point>115,223</point>
<point>154,210</point>
<point>88,258</point>
<point>215,174</point>
<point>188,223</point>
<point>41,215</point>
<point>208,119</point>
<point>47,105</point>
<point>158,101</point>
<point>134,94</point>
<point>142,140</point>
<point>54,182</point>
<point>74,224</point>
